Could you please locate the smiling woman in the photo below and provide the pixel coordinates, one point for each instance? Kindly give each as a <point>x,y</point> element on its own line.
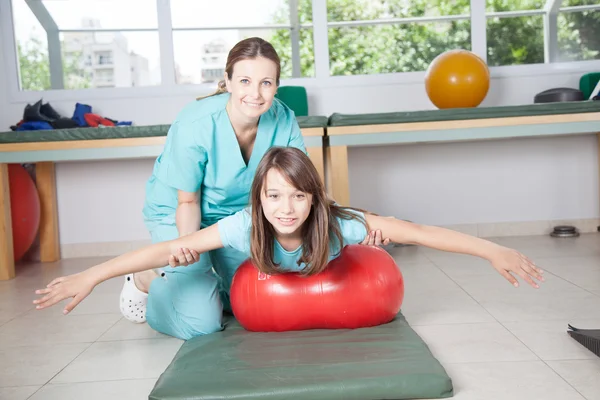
<point>204,175</point>
<point>251,76</point>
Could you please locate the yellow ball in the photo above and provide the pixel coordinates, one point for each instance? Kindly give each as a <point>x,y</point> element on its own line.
<point>457,79</point>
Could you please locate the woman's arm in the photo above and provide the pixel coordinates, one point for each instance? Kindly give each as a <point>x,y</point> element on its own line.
<point>502,259</point>
<point>156,255</point>
<point>188,214</point>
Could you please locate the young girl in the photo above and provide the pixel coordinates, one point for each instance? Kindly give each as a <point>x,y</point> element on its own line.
<point>290,226</point>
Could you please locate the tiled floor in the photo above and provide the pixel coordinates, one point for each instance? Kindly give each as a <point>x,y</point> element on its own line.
<point>495,341</point>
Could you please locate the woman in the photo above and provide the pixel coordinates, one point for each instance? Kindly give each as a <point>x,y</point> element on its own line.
<point>204,174</point>
<point>206,168</point>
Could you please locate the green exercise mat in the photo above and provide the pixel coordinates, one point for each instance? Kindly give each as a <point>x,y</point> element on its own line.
<point>386,362</point>
<point>454,114</point>
<point>117,132</point>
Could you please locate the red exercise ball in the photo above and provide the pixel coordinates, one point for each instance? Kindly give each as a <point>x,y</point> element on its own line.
<point>457,79</point>
<point>24,209</point>
<point>362,287</point>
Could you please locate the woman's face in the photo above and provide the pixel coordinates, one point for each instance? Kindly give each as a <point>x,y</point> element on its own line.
<point>252,86</point>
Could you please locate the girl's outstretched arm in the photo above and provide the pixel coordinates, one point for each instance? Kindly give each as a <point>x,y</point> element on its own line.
<point>156,255</point>
<point>503,259</point>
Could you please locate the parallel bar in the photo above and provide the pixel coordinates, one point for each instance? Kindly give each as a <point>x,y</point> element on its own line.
<point>317,157</point>
<point>108,153</point>
<point>464,134</point>
<point>105,153</point>
<point>336,164</point>
<point>559,119</point>
<point>106,149</point>
<point>49,237</point>
<point>7,263</point>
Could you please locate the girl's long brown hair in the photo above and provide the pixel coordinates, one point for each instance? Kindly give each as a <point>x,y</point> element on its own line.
<point>247,49</point>
<point>320,228</point>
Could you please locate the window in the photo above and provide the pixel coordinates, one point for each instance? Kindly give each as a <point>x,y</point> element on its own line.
<point>203,34</point>
<point>515,32</point>
<point>579,30</point>
<point>73,44</point>
<point>60,43</point>
<point>372,37</point>
<point>213,74</point>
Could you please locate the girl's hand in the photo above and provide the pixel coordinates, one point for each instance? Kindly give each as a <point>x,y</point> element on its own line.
<point>374,239</point>
<point>77,286</point>
<point>183,258</point>
<point>508,261</point>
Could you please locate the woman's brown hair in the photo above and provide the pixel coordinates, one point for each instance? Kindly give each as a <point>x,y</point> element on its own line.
<point>320,228</point>
<point>250,48</point>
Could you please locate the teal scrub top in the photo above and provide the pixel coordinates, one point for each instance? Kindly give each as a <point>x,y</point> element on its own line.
<point>202,153</point>
<point>234,232</point>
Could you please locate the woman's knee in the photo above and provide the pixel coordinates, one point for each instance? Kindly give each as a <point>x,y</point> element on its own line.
<point>204,325</point>
<point>185,306</point>
<point>186,327</point>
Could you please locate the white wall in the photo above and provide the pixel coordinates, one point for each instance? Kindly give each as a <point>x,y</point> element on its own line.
<point>514,180</point>
<point>479,182</point>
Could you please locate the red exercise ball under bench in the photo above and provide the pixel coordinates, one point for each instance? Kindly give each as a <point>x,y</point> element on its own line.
<point>24,209</point>
<point>362,287</point>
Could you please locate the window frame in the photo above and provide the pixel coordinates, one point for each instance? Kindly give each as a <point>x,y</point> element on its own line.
<point>322,78</point>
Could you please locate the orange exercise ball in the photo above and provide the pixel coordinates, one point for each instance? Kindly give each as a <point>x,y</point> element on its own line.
<point>24,209</point>
<point>457,79</point>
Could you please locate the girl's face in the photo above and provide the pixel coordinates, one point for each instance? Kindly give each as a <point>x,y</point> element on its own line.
<point>252,86</point>
<point>284,206</point>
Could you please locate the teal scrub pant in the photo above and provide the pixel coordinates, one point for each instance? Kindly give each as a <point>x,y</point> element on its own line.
<point>189,301</point>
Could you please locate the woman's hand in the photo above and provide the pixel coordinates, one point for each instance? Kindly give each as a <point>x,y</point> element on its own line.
<point>77,286</point>
<point>374,239</point>
<point>183,257</point>
<point>508,262</point>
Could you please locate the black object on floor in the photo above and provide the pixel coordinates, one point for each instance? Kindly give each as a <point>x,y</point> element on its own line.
<point>563,231</point>
<point>589,338</point>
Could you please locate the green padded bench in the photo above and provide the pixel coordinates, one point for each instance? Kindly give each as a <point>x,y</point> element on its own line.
<point>45,147</point>
<point>449,125</point>
<point>389,361</point>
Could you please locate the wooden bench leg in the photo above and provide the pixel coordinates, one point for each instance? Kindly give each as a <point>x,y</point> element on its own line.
<point>46,185</point>
<point>7,263</point>
<point>316,156</point>
<point>336,161</point>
